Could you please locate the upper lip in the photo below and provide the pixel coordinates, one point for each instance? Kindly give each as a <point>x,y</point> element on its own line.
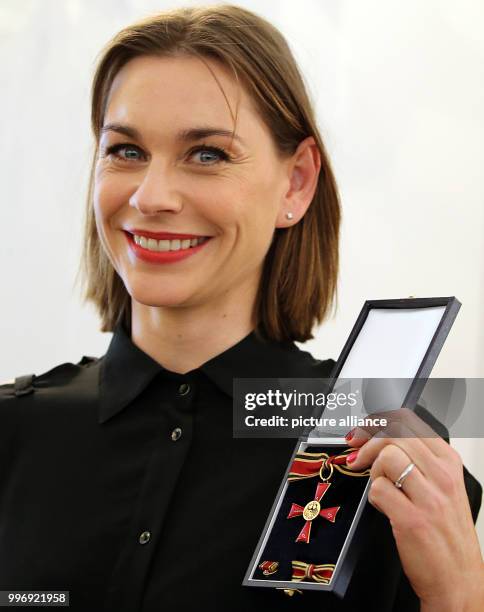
<point>164,235</point>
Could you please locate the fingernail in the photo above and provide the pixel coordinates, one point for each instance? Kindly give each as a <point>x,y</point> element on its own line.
<point>351,457</point>
<point>349,435</point>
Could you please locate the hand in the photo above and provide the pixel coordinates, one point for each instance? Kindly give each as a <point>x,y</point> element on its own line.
<point>430,515</point>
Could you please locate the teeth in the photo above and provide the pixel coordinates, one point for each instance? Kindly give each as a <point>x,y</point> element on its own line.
<point>167,245</point>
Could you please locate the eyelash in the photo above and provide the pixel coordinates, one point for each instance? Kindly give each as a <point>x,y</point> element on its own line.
<point>113,149</point>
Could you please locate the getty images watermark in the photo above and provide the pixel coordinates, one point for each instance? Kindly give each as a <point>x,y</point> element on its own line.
<point>294,400</point>
<point>295,407</point>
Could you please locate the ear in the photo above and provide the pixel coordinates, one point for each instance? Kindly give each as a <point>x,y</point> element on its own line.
<point>303,172</point>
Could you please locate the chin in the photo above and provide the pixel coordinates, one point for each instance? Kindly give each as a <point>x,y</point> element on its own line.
<point>157,301</point>
<point>157,296</point>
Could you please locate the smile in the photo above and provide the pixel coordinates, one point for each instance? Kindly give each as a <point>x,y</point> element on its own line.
<point>165,251</point>
<point>167,245</point>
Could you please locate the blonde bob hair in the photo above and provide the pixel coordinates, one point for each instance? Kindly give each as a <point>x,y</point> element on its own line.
<point>299,277</point>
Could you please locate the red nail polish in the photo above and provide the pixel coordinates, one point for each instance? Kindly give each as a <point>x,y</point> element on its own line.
<point>349,435</point>
<point>351,457</point>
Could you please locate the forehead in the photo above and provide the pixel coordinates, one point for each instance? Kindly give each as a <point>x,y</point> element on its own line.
<point>168,92</point>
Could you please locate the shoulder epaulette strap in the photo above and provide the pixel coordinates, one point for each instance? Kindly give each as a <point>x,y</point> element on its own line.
<point>87,359</point>
<point>24,384</point>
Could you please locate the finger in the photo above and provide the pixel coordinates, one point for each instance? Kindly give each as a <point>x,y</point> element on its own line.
<point>363,432</point>
<point>391,463</point>
<point>391,501</point>
<point>357,437</point>
<point>441,472</point>
<point>415,448</point>
<point>420,429</point>
<point>415,427</point>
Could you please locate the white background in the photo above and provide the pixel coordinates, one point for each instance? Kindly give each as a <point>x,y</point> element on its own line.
<point>399,92</point>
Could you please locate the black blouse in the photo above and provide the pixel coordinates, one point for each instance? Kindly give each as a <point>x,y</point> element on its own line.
<point>121,482</point>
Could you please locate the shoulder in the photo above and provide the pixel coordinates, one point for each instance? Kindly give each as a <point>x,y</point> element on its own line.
<point>47,410</point>
<point>317,368</point>
<point>64,381</point>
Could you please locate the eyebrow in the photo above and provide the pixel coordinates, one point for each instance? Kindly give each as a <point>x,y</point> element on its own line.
<point>189,134</point>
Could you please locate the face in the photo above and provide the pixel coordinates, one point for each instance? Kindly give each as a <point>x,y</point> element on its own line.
<point>169,173</point>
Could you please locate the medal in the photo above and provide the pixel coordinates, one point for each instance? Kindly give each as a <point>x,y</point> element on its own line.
<point>269,567</point>
<point>309,465</point>
<point>312,510</point>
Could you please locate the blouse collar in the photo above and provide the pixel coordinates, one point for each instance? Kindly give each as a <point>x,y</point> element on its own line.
<point>126,370</point>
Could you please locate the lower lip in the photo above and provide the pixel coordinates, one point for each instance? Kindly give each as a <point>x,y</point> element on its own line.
<point>162,256</point>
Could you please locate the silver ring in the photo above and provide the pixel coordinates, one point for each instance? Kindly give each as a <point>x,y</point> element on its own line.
<point>399,481</point>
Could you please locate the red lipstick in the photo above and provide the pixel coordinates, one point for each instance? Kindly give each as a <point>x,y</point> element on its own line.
<point>163,256</point>
<point>164,235</point>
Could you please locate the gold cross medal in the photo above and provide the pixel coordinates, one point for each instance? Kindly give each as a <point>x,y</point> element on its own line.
<point>312,510</point>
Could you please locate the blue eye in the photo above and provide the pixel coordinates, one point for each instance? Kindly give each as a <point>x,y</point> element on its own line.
<point>114,149</point>
<point>209,155</point>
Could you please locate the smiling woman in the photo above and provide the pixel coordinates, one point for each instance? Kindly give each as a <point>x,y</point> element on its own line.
<point>188,171</point>
<point>211,245</point>
<point>200,139</point>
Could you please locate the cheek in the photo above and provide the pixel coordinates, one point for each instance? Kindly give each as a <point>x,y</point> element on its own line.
<point>247,212</point>
<point>108,198</point>
<point>109,195</point>
<point>261,204</point>
<point>219,201</point>
<point>256,216</point>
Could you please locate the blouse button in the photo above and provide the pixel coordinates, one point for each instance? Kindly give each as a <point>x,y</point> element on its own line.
<point>184,389</point>
<point>176,434</point>
<point>145,537</point>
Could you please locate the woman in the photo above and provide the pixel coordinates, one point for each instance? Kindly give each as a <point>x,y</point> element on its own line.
<point>211,245</point>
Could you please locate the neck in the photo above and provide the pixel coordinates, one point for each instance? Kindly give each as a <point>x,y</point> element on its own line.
<point>183,338</point>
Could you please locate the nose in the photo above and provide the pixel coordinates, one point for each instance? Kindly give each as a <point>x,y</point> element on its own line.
<point>156,192</point>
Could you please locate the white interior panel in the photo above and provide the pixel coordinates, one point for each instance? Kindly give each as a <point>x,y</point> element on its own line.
<point>392,343</point>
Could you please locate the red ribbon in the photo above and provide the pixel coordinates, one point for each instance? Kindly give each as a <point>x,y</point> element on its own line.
<point>309,465</point>
<point>308,571</point>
